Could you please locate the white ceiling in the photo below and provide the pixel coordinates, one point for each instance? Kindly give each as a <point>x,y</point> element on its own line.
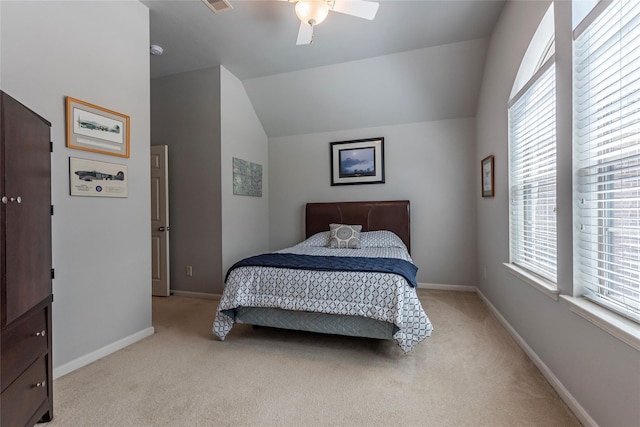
<point>256,42</point>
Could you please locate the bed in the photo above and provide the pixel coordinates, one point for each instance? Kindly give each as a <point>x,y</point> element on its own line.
<point>366,291</point>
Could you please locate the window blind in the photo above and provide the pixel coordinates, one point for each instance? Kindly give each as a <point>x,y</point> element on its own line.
<point>532,174</point>
<point>607,157</point>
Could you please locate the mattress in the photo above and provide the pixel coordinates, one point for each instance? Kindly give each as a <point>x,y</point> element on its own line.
<point>384,297</point>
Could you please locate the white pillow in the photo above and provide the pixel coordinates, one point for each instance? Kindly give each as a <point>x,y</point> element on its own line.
<point>381,239</point>
<point>344,236</point>
<point>320,239</point>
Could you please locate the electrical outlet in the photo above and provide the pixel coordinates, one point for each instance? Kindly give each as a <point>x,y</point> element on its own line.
<point>189,270</point>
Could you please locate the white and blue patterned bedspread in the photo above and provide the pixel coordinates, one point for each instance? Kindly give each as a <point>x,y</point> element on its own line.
<point>381,296</point>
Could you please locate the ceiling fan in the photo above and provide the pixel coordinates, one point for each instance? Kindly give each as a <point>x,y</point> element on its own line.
<point>314,12</point>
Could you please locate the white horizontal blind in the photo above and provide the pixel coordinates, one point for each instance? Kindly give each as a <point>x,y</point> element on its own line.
<point>532,174</point>
<point>607,154</point>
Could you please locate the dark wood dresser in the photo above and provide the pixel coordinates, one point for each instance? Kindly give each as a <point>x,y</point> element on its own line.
<point>26,266</point>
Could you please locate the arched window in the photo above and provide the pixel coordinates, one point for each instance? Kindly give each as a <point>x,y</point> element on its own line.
<point>540,49</point>
<point>532,158</point>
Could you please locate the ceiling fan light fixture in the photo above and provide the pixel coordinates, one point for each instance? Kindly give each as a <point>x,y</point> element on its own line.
<point>312,12</point>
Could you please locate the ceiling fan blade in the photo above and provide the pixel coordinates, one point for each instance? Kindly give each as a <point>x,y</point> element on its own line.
<point>305,34</point>
<point>359,8</point>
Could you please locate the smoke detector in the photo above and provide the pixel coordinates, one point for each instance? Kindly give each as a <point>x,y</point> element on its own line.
<point>156,50</point>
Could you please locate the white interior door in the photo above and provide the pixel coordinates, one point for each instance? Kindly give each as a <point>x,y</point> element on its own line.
<point>159,221</point>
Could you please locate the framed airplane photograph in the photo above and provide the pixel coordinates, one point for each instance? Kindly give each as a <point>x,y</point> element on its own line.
<point>97,179</point>
<point>93,128</point>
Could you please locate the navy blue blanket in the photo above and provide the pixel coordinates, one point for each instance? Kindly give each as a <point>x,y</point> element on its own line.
<point>331,263</point>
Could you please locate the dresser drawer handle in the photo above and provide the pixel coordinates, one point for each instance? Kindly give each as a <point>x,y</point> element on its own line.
<point>42,333</point>
<point>42,384</point>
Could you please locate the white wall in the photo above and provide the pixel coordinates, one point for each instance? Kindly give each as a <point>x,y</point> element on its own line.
<point>206,118</point>
<point>245,219</point>
<point>432,164</point>
<point>599,371</point>
<point>185,115</point>
<point>430,84</point>
<point>97,52</point>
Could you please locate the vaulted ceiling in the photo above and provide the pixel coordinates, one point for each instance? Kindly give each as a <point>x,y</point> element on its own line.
<point>416,61</point>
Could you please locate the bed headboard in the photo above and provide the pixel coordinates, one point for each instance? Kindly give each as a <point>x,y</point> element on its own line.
<point>390,215</point>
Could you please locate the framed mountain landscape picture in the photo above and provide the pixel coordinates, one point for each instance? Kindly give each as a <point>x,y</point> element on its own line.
<point>357,162</point>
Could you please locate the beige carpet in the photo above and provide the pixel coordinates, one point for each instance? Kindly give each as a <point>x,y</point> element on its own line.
<point>468,373</point>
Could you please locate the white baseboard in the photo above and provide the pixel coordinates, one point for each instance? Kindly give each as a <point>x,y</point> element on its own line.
<point>120,344</point>
<point>100,353</point>
<point>195,294</point>
<point>565,395</point>
<point>436,286</point>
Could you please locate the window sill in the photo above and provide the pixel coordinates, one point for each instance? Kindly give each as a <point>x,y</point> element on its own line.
<point>618,326</point>
<point>538,283</point>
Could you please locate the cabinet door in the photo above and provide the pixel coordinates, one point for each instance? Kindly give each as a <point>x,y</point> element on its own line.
<point>27,212</point>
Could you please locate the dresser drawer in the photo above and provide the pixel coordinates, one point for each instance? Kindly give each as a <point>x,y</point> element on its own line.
<point>22,399</point>
<point>22,343</point>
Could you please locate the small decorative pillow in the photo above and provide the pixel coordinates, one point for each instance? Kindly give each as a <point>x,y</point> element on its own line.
<point>344,236</point>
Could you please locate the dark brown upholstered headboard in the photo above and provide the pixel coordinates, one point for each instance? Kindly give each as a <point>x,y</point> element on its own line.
<point>387,215</point>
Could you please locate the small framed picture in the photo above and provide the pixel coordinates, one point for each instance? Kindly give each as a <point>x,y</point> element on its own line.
<point>93,128</point>
<point>357,162</point>
<point>97,179</point>
<point>486,167</point>
<point>247,178</point>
